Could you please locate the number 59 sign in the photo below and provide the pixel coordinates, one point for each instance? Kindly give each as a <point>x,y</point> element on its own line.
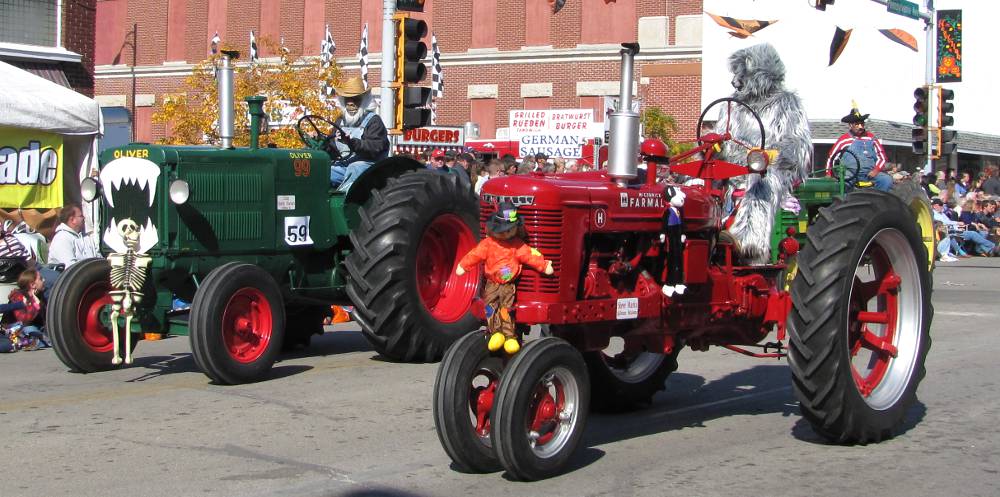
<point>297,231</point>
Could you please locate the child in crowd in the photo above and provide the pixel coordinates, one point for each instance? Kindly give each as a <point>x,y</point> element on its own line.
<point>25,330</point>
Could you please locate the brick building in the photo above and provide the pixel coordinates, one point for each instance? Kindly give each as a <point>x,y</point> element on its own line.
<point>51,38</point>
<point>497,55</point>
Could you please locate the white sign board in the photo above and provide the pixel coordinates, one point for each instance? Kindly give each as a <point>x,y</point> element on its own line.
<point>553,132</point>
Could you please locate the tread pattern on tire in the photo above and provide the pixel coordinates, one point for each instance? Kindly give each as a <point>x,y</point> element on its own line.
<point>818,356</point>
<point>59,314</point>
<point>206,348</point>
<point>382,283</point>
<point>449,378</point>
<point>506,432</point>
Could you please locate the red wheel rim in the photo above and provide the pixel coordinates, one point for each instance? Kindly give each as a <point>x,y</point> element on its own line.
<point>93,329</point>
<point>247,325</point>
<point>873,322</point>
<point>545,411</point>
<point>446,295</point>
<point>481,401</point>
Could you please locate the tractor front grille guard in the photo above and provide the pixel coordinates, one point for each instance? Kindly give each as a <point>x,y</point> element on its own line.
<point>545,231</point>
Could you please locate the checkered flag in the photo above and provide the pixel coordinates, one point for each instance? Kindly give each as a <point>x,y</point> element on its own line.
<point>215,43</point>
<point>327,47</point>
<point>437,77</point>
<point>363,55</point>
<point>253,47</point>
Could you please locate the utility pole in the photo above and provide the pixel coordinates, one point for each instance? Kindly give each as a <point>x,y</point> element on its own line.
<point>387,109</point>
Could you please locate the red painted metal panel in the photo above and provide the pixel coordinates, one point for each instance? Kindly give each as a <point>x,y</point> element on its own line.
<point>144,124</point>
<point>110,33</point>
<point>314,27</point>
<point>270,27</point>
<point>216,23</point>
<point>484,112</point>
<point>608,22</point>
<point>176,28</point>
<point>484,23</point>
<point>538,16</point>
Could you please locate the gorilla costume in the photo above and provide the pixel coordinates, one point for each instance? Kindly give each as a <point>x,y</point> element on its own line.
<point>758,77</point>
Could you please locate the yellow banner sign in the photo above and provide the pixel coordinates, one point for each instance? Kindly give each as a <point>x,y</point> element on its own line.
<point>30,169</point>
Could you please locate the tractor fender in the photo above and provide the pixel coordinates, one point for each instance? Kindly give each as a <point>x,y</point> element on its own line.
<point>376,177</point>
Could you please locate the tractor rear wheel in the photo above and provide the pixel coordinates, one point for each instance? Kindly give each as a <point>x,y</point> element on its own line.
<point>411,234</point>
<point>77,316</point>
<point>624,381</point>
<point>914,196</point>
<point>541,409</point>
<point>464,390</point>
<point>861,318</point>
<point>237,324</point>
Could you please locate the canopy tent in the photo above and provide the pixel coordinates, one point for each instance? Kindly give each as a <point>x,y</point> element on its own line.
<point>32,102</point>
<point>35,112</point>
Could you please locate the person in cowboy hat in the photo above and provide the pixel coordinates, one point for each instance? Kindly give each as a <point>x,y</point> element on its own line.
<point>504,252</point>
<point>865,152</point>
<point>366,139</point>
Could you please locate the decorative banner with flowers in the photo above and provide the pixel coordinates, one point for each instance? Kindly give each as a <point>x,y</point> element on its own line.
<point>949,46</point>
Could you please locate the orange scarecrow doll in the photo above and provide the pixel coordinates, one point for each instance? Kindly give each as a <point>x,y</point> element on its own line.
<point>503,252</point>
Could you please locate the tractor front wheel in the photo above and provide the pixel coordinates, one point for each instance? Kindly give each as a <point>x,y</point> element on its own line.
<point>408,300</point>
<point>464,391</point>
<point>541,409</point>
<point>237,324</point>
<point>77,316</point>
<point>861,318</point>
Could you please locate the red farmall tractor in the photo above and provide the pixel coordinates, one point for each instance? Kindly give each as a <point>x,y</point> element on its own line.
<point>854,323</point>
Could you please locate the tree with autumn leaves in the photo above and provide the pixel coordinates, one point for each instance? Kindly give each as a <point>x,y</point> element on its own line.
<point>292,84</point>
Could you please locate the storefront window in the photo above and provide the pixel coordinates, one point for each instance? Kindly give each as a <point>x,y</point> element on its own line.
<point>29,22</point>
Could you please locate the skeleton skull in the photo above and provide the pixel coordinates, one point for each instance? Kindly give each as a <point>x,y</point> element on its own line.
<point>130,233</point>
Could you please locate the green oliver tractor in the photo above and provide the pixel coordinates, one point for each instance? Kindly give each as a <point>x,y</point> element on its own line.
<point>261,245</point>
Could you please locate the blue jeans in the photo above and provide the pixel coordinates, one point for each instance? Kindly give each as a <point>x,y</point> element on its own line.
<point>949,245</point>
<point>344,172</point>
<point>980,244</point>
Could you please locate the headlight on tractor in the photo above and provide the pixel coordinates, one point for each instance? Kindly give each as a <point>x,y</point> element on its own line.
<point>757,160</point>
<point>179,191</point>
<point>89,189</point>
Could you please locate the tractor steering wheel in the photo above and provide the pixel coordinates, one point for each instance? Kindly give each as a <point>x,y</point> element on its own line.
<point>730,104</point>
<point>318,139</point>
<point>850,174</point>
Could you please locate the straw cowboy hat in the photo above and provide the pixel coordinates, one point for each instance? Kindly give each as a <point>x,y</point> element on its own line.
<point>352,88</point>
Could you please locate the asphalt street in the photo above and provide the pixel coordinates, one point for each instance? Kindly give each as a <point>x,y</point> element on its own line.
<point>335,420</point>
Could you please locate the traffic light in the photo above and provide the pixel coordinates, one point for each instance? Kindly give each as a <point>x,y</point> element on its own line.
<point>948,143</point>
<point>920,107</point>
<point>410,69</point>
<point>945,107</point>
<point>919,141</point>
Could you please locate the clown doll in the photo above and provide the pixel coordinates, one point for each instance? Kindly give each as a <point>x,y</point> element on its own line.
<point>673,234</point>
<point>503,252</point>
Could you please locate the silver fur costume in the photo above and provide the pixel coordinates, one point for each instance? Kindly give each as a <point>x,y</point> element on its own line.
<point>758,76</point>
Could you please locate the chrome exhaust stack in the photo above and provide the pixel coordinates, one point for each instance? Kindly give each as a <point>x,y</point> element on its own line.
<point>224,76</point>
<point>623,151</point>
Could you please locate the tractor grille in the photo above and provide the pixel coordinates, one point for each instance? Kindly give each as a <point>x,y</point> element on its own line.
<point>230,202</point>
<point>545,234</point>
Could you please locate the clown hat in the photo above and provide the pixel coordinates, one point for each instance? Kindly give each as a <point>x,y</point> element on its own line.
<point>854,116</point>
<point>504,219</point>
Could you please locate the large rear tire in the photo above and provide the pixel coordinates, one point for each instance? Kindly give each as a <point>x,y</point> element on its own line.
<point>464,391</point>
<point>410,304</point>
<point>541,409</point>
<point>915,198</point>
<point>77,317</point>
<point>861,318</point>
<point>237,324</point>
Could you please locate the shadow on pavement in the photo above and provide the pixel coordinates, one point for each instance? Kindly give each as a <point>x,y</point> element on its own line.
<point>803,430</point>
<point>331,343</point>
<point>689,402</point>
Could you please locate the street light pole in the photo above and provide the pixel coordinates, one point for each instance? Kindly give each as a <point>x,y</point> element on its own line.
<point>387,108</point>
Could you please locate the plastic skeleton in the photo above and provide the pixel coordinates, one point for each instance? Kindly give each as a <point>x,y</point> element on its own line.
<point>128,272</point>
